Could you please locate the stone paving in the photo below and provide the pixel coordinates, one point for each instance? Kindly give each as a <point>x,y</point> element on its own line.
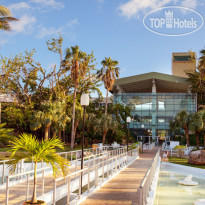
<point>122,189</point>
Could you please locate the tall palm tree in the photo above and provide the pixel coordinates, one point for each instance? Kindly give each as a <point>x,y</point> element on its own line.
<point>108,73</point>
<point>6,18</point>
<point>197,79</point>
<point>27,146</point>
<point>183,121</point>
<point>196,125</point>
<point>74,62</point>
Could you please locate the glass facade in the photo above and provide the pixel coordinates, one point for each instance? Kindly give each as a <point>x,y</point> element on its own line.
<point>155,110</point>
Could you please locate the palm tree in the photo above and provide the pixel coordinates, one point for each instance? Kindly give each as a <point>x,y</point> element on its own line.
<point>60,119</point>
<point>50,113</point>
<point>27,146</point>
<point>106,123</point>
<point>72,62</point>
<point>5,18</point>
<point>183,121</point>
<point>108,73</point>
<point>5,132</point>
<point>197,79</point>
<point>196,125</point>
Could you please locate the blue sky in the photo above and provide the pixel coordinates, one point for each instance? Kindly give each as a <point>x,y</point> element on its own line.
<point>108,27</point>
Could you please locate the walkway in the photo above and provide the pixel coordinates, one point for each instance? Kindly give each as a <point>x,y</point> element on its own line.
<point>122,189</point>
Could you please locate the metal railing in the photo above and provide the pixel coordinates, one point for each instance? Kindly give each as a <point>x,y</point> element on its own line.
<point>90,161</point>
<point>72,156</point>
<point>97,173</point>
<point>145,186</point>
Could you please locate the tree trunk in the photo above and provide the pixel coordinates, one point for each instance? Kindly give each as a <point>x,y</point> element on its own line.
<point>204,140</point>
<point>106,104</point>
<point>187,137</point>
<point>73,120</point>
<point>75,130</point>
<point>59,134</point>
<point>197,140</point>
<point>54,133</point>
<point>46,133</point>
<point>34,199</point>
<point>104,135</point>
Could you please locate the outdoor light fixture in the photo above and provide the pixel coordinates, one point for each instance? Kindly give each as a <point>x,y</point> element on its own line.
<point>84,101</point>
<point>128,120</point>
<point>142,126</point>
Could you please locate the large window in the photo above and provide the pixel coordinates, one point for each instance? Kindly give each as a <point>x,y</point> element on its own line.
<point>156,111</point>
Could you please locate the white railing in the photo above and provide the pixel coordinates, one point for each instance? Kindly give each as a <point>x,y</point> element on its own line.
<point>91,161</point>
<point>144,188</point>
<point>72,156</point>
<point>102,170</point>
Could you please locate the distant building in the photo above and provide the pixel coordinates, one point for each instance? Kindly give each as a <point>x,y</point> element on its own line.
<point>102,102</point>
<point>155,99</point>
<point>182,62</point>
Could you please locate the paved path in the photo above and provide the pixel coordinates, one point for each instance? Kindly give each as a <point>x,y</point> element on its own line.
<point>122,189</point>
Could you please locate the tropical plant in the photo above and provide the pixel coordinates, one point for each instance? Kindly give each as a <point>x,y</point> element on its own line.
<point>196,125</point>
<point>72,62</point>
<point>51,112</point>
<point>6,18</point>
<point>108,74</point>
<point>27,146</point>
<point>197,79</point>
<point>182,120</point>
<point>5,133</point>
<point>202,113</point>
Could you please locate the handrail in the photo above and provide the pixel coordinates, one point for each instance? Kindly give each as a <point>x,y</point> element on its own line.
<point>145,185</point>
<point>113,161</point>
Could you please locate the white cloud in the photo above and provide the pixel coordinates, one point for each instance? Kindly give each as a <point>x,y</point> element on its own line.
<point>18,6</point>
<point>72,23</point>
<point>189,3</point>
<point>133,7</point>
<point>52,3</point>
<point>25,24</point>
<point>43,32</point>
<point>48,31</point>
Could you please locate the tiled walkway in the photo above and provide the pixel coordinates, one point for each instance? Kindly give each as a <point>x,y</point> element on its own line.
<point>122,189</point>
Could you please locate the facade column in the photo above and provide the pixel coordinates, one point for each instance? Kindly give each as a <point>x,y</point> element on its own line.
<point>154,104</point>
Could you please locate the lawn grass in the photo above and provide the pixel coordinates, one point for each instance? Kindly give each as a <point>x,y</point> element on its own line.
<point>184,161</point>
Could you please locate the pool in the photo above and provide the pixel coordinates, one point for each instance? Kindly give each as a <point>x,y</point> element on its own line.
<point>169,192</point>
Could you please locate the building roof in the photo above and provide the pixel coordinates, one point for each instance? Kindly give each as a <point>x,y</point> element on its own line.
<point>143,83</point>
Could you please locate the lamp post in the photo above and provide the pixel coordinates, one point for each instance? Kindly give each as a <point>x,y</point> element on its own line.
<point>84,101</point>
<point>128,120</point>
<point>142,126</point>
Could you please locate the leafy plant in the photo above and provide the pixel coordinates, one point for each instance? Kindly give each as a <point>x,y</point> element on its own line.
<point>28,147</point>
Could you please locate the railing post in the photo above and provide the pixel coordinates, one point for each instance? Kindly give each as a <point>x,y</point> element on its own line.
<point>27,187</point>
<point>3,172</point>
<point>107,167</point>
<point>54,192</point>
<point>71,157</point>
<point>96,175</point>
<point>68,194</point>
<point>79,190</point>
<point>103,164</point>
<point>112,165</point>
<point>88,179</point>
<point>7,190</point>
<point>43,179</point>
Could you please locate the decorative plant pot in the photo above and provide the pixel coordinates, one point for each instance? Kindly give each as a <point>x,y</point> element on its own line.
<point>38,203</point>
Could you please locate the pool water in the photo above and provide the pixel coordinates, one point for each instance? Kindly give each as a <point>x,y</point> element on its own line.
<point>169,192</point>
